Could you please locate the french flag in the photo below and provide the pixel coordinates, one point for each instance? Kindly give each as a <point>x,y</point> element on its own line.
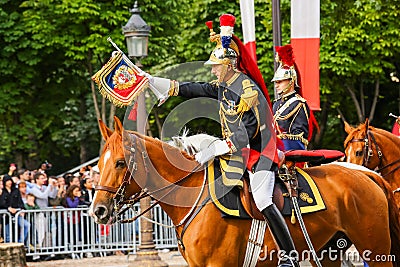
<point>305,36</point>
<point>248,26</point>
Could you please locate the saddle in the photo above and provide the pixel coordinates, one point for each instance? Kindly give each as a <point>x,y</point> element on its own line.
<point>287,174</point>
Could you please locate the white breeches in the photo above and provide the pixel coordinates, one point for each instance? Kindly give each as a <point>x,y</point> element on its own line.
<point>262,186</point>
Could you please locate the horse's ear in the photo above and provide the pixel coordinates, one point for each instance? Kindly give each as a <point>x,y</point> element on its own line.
<point>347,127</point>
<point>104,130</point>
<point>118,125</point>
<point>366,123</point>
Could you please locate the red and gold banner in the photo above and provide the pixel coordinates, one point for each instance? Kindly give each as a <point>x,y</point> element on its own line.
<point>119,81</point>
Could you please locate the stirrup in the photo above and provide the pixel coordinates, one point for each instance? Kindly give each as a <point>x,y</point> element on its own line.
<point>287,261</point>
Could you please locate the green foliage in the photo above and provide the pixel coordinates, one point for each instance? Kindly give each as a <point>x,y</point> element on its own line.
<point>51,48</point>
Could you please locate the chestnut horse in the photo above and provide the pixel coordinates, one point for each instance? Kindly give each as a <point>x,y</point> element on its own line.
<point>375,149</point>
<point>356,212</point>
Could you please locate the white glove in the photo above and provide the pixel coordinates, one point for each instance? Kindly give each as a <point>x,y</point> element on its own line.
<point>148,76</point>
<point>217,148</point>
<point>159,86</point>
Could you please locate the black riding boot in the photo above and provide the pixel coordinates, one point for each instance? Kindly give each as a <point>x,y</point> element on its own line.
<point>282,236</point>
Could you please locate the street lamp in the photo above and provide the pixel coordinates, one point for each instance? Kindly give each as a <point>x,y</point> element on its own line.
<point>136,33</point>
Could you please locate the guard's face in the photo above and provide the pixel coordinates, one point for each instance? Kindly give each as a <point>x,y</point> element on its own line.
<point>217,70</point>
<point>282,86</point>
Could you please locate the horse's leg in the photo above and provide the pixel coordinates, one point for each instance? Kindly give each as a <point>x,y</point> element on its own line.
<point>214,241</point>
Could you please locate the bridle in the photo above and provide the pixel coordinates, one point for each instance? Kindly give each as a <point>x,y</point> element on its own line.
<point>368,152</point>
<point>119,198</point>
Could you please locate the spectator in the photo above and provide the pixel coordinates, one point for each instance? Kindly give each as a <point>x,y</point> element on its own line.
<point>30,203</point>
<point>22,190</point>
<point>95,174</point>
<point>11,200</point>
<point>73,196</point>
<point>23,175</point>
<point>12,172</point>
<point>87,190</point>
<point>67,178</point>
<point>75,180</point>
<point>45,167</point>
<point>59,200</point>
<point>1,184</point>
<point>62,183</point>
<point>73,200</point>
<point>32,176</point>
<point>34,217</point>
<point>43,192</point>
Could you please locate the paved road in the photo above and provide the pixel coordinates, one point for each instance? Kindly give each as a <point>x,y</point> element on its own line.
<point>172,258</point>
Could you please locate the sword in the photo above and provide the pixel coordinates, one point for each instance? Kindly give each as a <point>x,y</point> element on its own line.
<point>392,115</point>
<point>304,230</point>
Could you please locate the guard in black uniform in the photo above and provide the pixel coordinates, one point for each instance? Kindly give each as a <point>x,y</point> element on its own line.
<point>246,123</point>
<point>291,111</point>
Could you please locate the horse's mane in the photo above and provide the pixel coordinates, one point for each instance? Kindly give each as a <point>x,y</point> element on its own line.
<point>193,143</point>
<point>164,145</point>
<point>389,135</point>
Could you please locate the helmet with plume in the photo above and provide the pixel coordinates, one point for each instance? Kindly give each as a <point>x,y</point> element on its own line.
<point>287,69</point>
<point>226,50</point>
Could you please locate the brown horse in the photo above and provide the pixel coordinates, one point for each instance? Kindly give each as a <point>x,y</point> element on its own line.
<point>375,149</point>
<point>357,212</point>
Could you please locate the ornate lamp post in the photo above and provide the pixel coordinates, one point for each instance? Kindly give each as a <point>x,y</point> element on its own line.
<point>136,33</point>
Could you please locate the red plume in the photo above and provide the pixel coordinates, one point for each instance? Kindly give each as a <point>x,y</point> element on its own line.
<point>209,24</point>
<point>227,20</point>
<point>285,55</point>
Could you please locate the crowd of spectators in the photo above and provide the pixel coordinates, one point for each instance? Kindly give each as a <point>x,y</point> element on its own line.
<point>22,189</point>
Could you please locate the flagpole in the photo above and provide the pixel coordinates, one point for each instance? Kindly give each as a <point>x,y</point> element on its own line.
<point>141,72</point>
<point>276,32</point>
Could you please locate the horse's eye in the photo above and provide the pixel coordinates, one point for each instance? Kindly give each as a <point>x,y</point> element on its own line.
<point>359,153</point>
<point>120,164</point>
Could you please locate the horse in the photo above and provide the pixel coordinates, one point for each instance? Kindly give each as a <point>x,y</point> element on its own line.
<point>375,149</point>
<point>132,165</point>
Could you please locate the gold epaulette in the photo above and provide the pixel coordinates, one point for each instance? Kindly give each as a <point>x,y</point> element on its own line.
<point>300,98</point>
<point>249,98</point>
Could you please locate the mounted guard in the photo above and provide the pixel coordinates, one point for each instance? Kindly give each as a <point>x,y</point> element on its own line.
<point>246,124</point>
<point>292,115</point>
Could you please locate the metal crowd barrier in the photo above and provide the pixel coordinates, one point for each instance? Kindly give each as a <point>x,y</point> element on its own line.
<point>58,230</point>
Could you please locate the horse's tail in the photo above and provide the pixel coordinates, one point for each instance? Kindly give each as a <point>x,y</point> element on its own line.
<point>394,216</point>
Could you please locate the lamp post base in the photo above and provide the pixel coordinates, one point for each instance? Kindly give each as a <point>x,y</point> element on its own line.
<point>147,259</point>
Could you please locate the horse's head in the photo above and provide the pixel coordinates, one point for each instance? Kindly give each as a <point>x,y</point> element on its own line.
<point>361,146</point>
<point>115,183</point>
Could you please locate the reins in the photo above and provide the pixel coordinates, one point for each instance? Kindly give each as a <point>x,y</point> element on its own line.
<point>368,153</point>
<point>119,198</point>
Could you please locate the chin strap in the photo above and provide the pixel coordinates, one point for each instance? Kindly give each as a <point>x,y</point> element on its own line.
<point>284,91</point>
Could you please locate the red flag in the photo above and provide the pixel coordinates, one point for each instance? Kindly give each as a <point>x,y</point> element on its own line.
<point>305,36</point>
<point>248,27</point>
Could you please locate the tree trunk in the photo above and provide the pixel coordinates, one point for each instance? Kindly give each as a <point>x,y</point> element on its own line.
<point>375,100</point>
<point>356,104</point>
